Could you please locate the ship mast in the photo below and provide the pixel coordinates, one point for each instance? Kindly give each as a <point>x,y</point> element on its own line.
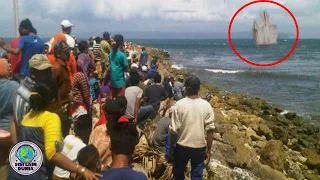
<point>16,17</point>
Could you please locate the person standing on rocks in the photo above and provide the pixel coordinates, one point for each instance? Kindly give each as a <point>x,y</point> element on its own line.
<point>119,65</point>
<point>192,117</point>
<point>105,49</point>
<point>143,57</point>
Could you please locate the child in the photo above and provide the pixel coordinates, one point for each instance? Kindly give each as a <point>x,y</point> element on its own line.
<point>72,145</point>
<point>88,157</point>
<point>94,86</point>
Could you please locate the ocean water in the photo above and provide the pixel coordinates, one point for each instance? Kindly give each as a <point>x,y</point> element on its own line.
<point>294,84</point>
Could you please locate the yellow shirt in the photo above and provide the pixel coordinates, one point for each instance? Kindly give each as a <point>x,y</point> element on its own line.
<point>105,50</point>
<point>51,126</point>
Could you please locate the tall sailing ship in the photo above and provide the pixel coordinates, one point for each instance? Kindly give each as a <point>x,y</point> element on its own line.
<point>265,33</point>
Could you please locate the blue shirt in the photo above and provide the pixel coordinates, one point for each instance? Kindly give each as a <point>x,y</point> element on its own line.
<point>29,45</point>
<point>118,63</point>
<point>94,88</point>
<point>143,58</point>
<point>123,174</point>
<point>7,93</point>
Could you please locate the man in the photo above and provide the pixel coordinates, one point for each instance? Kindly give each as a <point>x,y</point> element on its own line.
<point>7,92</point>
<point>143,57</point>
<point>40,71</point>
<point>191,117</point>
<point>143,73</point>
<point>133,95</point>
<point>29,44</point>
<point>178,88</point>
<point>153,94</point>
<point>66,31</point>
<point>96,49</point>
<point>124,137</point>
<point>15,60</point>
<point>64,36</point>
<point>60,75</point>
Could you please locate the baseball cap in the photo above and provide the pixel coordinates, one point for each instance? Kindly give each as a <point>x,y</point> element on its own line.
<point>66,24</point>
<point>39,62</point>
<point>144,68</point>
<point>192,82</point>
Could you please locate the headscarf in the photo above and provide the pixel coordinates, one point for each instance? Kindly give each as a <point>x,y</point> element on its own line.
<point>4,68</point>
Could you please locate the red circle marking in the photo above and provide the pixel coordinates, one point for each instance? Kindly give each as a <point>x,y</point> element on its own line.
<point>276,62</point>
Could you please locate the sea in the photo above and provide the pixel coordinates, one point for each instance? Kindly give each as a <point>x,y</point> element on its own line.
<point>294,84</point>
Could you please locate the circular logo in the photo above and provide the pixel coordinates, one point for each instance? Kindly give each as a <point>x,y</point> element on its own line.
<point>278,61</point>
<point>25,158</point>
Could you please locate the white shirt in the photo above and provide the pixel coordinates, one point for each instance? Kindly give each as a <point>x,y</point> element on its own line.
<point>71,147</point>
<point>70,41</point>
<point>191,118</point>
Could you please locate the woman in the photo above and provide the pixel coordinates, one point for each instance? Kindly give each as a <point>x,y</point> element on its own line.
<point>84,60</point>
<point>119,65</point>
<point>44,129</point>
<point>100,137</point>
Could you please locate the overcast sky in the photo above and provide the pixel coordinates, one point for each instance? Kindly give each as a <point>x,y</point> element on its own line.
<point>95,16</point>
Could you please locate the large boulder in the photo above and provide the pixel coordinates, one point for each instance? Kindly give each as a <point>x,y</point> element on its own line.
<point>273,155</point>
<point>233,101</point>
<point>224,153</point>
<point>291,115</point>
<point>293,170</point>
<point>265,172</point>
<point>217,171</point>
<point>313,158</point>
<point>266,131</point>
<point>239,173</point>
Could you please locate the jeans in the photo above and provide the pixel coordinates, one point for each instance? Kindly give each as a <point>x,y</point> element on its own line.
<point>144,113</point>
<point>181,157</point>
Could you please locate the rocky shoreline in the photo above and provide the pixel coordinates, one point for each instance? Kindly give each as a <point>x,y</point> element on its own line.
<point>263,141</point>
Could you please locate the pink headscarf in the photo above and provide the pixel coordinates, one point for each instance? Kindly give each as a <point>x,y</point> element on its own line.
<point>4,68</point>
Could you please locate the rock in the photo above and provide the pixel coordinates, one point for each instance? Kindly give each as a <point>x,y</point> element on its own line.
<point>292,142</point>
<point>218,105</point>
<point>273,155</point>
<point>253,135</point>
<point>242,174</point>
<point>283,120</point>
<point>313,158</point>
<point>278,109</point>
<point>214,100</point>
<point>280,133</point>
<point>291,115</point>
<point>266,131</point>
<point>260,144</point>
<point>217,171</point>
<point>233,101</point>
<point>244,155</point>
<point>293,170</point>
<point>224,153</point>
<point>311,176</point>
<point>265,172</point>
<point>235,138</point>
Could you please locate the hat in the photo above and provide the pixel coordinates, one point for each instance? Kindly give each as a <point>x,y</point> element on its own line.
<point>66,24</point>
<point>144,68</point>
<point>39,62</point>
<point>4,70</point>
<point>134,65</point>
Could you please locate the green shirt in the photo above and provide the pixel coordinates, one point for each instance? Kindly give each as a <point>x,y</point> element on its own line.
<point>118,64</point>
<point>105,50</point>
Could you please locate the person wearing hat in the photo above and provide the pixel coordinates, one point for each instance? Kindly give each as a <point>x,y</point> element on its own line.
<point>60,75</point>
<point>105,50</point>
<point>192,118</point>
<point>7,92</point>
<point>40,71</point>
<point>66,31</point>
<point>29,44</point>
<point>178,88</point>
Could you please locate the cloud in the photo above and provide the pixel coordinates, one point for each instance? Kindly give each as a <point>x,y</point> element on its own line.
<point>160,15</point>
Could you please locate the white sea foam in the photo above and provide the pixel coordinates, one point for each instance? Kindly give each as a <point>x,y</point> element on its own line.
<point>178,67</point>
<point>223,71</point>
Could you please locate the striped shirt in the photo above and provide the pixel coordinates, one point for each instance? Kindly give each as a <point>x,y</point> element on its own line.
<point>96,52</point>
<point>81,90</point>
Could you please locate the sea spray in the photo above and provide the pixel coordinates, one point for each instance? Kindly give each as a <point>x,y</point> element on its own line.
<point>266,32</point>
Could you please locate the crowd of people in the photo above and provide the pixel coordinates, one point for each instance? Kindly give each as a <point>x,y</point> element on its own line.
<point>54,86</point>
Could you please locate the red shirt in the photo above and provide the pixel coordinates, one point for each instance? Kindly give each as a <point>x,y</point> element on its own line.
<point>15,59</point>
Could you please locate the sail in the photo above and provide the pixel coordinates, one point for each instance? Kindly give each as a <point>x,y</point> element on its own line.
<point>265,33</point>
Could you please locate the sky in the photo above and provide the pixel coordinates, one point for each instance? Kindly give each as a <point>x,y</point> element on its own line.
<point>93,17</point>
